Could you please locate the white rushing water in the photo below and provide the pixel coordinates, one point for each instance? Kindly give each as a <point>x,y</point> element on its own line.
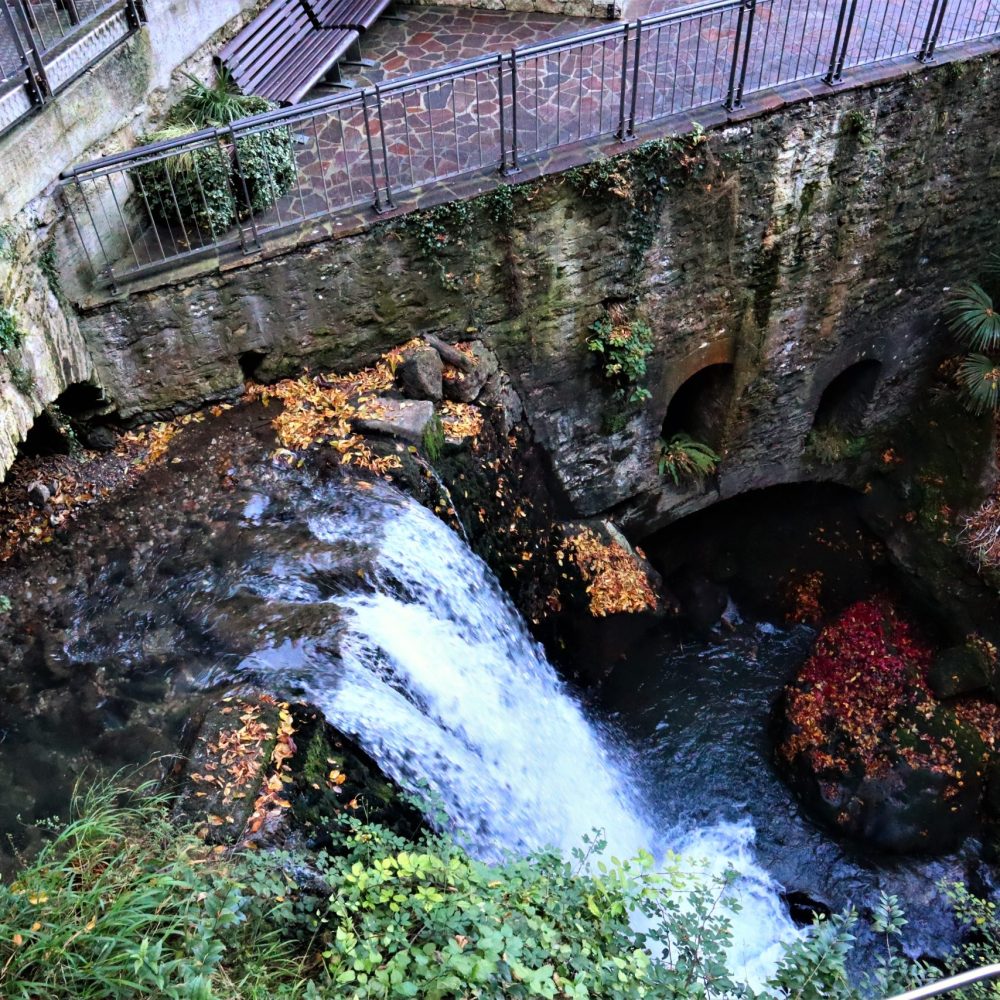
<point>439,679</point>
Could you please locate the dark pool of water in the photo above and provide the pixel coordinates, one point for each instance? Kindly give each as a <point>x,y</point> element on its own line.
<point>699,717</point>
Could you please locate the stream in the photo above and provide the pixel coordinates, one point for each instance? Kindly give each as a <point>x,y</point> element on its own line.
<point>358,599</point>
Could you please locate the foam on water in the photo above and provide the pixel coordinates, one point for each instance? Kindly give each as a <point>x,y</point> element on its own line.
<point>439,679</point>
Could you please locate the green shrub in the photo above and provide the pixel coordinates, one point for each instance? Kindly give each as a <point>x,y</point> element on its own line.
<point>202,187</point>
<point>975,321</point>
<point>120,904</point>
<point>10,330</point>
<point>123,903</point>
<point>829,445</point>
<point>683,458</point>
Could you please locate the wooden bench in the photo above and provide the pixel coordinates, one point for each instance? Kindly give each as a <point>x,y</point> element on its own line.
<point>293,44</point>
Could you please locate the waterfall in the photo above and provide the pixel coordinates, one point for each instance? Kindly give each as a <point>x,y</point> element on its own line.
<point>439,679</point>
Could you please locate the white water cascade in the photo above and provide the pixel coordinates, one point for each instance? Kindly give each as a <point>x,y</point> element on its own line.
<point>440,681</point>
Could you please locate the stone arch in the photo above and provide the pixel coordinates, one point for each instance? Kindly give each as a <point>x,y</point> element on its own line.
<point>699,405</point>
<point>845,401</point>
<point>80,400</point>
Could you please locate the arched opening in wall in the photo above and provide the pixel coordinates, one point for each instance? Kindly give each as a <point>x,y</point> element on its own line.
<point>250,362</point>
<point>780,552</point>
<point>699,407</point>
<point>44,437</point>
<point>845,401</point>
<point>80,401</point>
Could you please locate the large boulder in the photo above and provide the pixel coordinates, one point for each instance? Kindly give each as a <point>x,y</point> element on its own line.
<point>400,418</point>
<point>610,592</point>
<point>962,669</point>
<point>868,746</point>
<point>260,769</point>
<point>420,374</point>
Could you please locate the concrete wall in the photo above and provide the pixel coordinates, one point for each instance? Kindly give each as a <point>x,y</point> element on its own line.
<point>793,244</point>
<point>102,112</point>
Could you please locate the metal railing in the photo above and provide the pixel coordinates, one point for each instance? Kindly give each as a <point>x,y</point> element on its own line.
<point>952,983</point>
<point>161,204</point>
<point>45,44</point>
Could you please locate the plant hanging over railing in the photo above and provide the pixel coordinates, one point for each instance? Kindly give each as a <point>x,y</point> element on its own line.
<point>213,184</point>
<point>975,321</point>
<point>684,459</point>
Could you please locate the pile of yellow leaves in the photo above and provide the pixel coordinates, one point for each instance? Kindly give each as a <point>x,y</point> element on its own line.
<point>270,802</point>
<point>238,757</point>
<point>615,582</point>
<point>321,410</point>
<point>461,420</point>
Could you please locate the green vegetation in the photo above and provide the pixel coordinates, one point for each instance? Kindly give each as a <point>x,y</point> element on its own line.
<point>640,180</point>
<point>857,122</point>
<point>433,438</point>
<point>22,379</point>
<point>49,267</point>
<point>5,604</point>
<point>624,344</point>
<point>211,185</point>
<point>683,458</point>
<point>10,330</point>
<point>975,323</point>
<point>829,445</point>
<point>8,237</point>
<point>122,903</point>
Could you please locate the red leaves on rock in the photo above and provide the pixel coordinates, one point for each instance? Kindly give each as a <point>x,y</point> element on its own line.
<point>865,677</point>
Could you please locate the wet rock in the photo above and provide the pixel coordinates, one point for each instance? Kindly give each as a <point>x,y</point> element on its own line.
<point>960,670</point>
<point>401,418</point>
<point>498,392</point>
<point>263,770</point>
<point>420,374</point>
<point>703,602</point>
<point>39,494</point>
<point>803,908</point>
<point>609,591</point>
<point>869,748</point>
<point>464,387</point>
<point>100,438</point>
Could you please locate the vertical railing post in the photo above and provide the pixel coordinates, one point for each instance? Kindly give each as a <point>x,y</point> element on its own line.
<point>841,39</point>
<point>934,22</point>
<point>730,102</point>
<point>385,147</point>
<point>515,167</point>
<point>246,191</point>
<point>35,91</point>
<point>36,67</point>
<point>630,131</point>
<point>751,14</point>
<point>624,86</point>
<point>134,14</point>
<point>503,133</point>
<point>377,203</point>
<point>70,7</point>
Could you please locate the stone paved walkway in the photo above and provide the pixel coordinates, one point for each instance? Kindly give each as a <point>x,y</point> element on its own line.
<point>419,133</point>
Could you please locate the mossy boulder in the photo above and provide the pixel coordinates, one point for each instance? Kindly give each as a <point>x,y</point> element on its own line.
<point>870,749</point>
<point>960,670</point>
<point>261,770</point>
